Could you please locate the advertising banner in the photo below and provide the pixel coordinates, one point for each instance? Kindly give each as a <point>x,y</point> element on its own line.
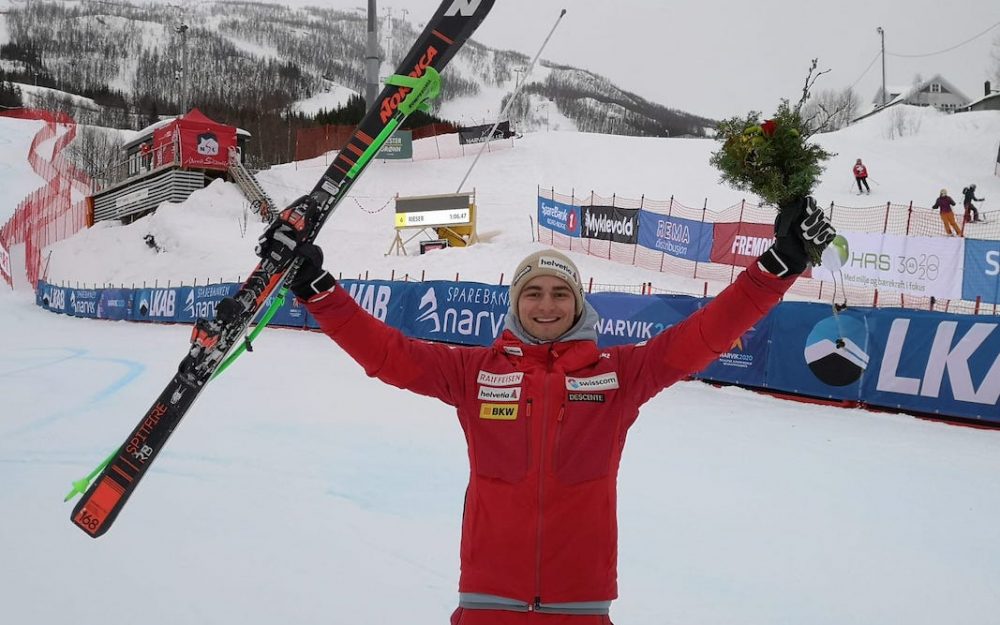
<point>678,237</point>
<point>607,223</point>
<point>746,361</point>
<point>206,146</point>
<point>929,362</point>
<point>477,134</point>
<point>5,273</point>
<point>739,243</point>
<point>981,277</point>
<point>83,302</point>
<point>627,318</point>
<point>818,353</point>
<point>921,266</point>
<point>398,146</point>
<point>163,305</point>
<point>562,218</point>
<point>200,303</point>
<point>114,304</point>
<point>463,313</point>
<point>384,300</point>
<point>54,298</point>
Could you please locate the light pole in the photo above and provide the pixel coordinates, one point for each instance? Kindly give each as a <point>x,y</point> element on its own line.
<point>882,35</point>
<point>182,29</point>
<point>371,57</point>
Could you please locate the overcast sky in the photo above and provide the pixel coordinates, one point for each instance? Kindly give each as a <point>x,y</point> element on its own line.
<point>725,57</point>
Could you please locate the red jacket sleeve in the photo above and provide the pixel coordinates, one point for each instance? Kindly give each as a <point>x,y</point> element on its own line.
<point>431,369</point>
<point>691,345</point>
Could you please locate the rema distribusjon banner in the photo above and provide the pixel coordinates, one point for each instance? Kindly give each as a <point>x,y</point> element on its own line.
<point>678,237</point>
<point>608,223</point>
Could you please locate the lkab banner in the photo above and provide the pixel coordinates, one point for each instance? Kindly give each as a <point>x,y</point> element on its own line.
<point>922,266</point>
<point>948,364</point>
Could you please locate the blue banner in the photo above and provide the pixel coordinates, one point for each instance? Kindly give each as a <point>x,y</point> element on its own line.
<point>627,318</point>
<point>83,302</point>
<point>981,276</point>
<point>678,237</point>
<point>200,303</point>
<point>563,218</point>
<point>928,362</point>
<point>912,360</point>
<point>817,353</point>
<point>746,361</point>
<point>55,298</point>
<point>163,305</point>
<point>455,312</point>
<point>386,301</point>
<point>114,304</point>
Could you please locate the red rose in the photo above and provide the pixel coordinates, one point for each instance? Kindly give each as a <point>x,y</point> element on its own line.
<point>769,127</point>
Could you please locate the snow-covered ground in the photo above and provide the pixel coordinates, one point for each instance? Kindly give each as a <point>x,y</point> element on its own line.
<point>298,490</point>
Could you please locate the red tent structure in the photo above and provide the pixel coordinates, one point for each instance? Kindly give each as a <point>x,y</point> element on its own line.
<point>202,143</point>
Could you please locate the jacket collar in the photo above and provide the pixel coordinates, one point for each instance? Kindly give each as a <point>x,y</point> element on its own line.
<point>564,355</point>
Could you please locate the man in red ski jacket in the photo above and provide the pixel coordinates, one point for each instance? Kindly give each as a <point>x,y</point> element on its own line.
<point>861,176</point>
<point>545,413</point>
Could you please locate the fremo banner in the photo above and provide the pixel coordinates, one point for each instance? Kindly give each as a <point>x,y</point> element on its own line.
<point>928,362</point>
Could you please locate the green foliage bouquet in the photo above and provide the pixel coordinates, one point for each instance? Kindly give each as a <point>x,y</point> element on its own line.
<point>772,159</point>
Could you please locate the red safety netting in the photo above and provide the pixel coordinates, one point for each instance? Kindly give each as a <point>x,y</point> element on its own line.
<point>745,217</point>
<point>48,214</point>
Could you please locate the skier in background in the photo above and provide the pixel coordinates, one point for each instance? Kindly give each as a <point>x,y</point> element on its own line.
<point>861,176</point>
<point>545,412</point>
<point>968,196</point>
<point>944,204</point>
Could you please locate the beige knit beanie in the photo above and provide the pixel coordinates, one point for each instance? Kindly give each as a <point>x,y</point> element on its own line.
<point>547,263</point>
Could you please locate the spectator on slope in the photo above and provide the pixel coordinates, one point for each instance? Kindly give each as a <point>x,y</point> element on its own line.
<point>861,176</point>
<point>944,204</point>
<point>545,411</point>
<point>968,196</point>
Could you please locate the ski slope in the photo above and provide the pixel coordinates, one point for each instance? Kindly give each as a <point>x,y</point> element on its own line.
<point>297,490</point>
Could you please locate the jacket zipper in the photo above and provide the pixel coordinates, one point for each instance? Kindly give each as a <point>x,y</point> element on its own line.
<point>541,481</point>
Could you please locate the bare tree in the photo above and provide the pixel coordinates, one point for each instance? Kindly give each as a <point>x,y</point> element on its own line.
<point>832,110</point>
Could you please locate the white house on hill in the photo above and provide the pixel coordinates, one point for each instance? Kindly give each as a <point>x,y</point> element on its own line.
<point>936,92</point>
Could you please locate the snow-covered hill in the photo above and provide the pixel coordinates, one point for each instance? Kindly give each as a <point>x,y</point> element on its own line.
<point>298,490</point>
<point>203,237</point>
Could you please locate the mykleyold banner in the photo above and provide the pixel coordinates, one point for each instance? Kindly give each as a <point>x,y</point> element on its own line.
<point>609,223</point>
<point>922,266</point>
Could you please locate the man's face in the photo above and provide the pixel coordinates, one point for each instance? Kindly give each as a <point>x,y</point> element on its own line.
<point>546,307</point>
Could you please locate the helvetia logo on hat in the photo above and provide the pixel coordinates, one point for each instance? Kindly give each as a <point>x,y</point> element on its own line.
<point>836,350</point>
<point>554,264</point>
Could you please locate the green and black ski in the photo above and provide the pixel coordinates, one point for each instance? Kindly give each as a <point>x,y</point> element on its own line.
<point>216,342</point>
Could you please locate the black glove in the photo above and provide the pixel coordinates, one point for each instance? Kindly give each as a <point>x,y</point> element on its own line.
<point>311,279</point>
<point>801,233</point>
